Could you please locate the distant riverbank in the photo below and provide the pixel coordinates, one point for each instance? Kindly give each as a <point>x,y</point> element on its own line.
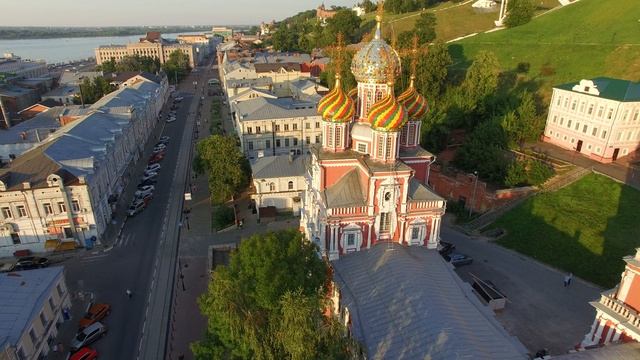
<point>62,50</point>
<point>24,33</point>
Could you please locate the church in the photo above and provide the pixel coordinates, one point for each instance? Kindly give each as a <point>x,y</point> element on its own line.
<point>367,181</point>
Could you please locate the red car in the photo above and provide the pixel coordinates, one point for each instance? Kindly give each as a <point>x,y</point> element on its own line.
<point>156,159</point>
<point>85,353</point>
<point>96,312</point>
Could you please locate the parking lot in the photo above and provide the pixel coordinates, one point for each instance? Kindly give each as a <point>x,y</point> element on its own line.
<point>540,311</point>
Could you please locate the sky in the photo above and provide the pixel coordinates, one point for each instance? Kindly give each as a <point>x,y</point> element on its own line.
<point>152,12</point>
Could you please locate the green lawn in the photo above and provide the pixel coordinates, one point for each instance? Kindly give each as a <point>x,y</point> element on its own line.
<point>587,39</point>
<point>585,228</point>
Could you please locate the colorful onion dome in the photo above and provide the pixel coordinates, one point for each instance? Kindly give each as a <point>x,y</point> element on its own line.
<point>353,94</point>
<point>370,63</point>
<point>415,103</point>
<point>336,106</point>
<point>387,114</point>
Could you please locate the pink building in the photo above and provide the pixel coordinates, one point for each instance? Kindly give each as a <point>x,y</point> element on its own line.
<point>598,118</point>
<point>366,181</point>
<point>618,310</point>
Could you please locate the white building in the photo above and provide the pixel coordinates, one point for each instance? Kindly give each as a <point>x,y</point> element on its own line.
<point>279,182</point>
<point>281,126</point>
<point>598,118</point>
<point>60,194</point>
<point>19,68</point>
<point>32,309</point>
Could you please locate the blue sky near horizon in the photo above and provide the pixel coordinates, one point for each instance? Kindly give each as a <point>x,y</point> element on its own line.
<point>152,12</point>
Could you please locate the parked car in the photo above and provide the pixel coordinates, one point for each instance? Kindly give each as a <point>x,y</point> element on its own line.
<point>31,262</point>
<point>156,158</point>
<point>146,182</point>
<point>146,198</point>
<point>171,119</point>
<point>151,175</point>
<point>457,259</point>
<point>157,151</point>
<point>88,335</point>
<point>160,146</point>
<point>136,207</point>
<point>444,248</point>
<point>179,98</point>
<point>164,140</point>
<point>153,168</point>
<point>85,353</point>
<point>95,312</point>
<point>145,190</point>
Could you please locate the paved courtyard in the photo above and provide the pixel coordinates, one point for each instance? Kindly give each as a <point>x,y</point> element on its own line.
<point>540,311</point>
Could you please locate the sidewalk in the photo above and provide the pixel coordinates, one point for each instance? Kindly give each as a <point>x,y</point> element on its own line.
<point>625,169</point>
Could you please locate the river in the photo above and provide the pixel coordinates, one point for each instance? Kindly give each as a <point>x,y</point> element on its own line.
<point>60,50</point>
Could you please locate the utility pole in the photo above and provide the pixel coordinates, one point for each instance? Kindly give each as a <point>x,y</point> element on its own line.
<point>5,114</point>
<point>473,196</point>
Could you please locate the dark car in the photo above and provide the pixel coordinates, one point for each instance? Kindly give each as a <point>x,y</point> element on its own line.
<point>146,183</point>
<point>156,158</point>
<point>31,262</point>
<point>445,248</point>
<point>457,259</point>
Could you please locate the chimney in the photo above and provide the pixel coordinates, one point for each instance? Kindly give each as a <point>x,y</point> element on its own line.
<point>26,185</point>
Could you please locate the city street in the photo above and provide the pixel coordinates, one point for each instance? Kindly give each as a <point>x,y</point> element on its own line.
<point>137,260</point>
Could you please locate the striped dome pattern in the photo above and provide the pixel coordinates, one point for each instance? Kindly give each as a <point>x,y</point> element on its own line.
<point>336,106</point>
<point>387,114</point>
<point>353,93</point>
<point>415,103</point>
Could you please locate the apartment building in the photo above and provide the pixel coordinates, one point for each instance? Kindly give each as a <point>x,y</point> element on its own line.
<point>152,45</point>
<point>599,118</point>
<point>34,304</point>
<point>280,126</point>
<point>279,182</point>
<point>60,194</point>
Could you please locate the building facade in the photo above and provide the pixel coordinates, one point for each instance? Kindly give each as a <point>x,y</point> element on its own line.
<point>598,118</point>
<point>152,45</point>
<point>279,182</point>
<point>33,307</point>
<point>618,310</point>
<point>366,180</point>
<point>281,126</point>
<point>60,194</point>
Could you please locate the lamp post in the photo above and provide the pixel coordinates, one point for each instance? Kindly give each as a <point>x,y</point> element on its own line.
<point>473,196</point>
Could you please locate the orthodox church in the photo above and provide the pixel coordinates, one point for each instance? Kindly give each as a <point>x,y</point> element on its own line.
<point>366,182</point>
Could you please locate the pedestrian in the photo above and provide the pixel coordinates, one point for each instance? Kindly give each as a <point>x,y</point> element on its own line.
<point>129,293</point>
<point>569,278</point>
<point>566,280</point>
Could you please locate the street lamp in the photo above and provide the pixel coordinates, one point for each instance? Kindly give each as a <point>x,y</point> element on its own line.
<point>473,196</point>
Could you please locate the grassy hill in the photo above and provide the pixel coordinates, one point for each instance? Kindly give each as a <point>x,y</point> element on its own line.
<point>587,39</point>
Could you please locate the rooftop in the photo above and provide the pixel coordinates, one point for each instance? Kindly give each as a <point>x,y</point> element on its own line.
<point>419,192</point>
<point>407,303</point>
<point>265,109</point>
<point>22,295</point>
<point>238,83</point>
<point>626,351</point>
<point>609,88</point>
<point>278,166</point>
<point>25,132</point>
<point>276,67</point>
<point>347,191</point>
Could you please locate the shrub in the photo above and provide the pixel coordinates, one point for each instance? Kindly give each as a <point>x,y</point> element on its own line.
<point>516,174</point>
<point>539,172</point>
<point>222,217</point>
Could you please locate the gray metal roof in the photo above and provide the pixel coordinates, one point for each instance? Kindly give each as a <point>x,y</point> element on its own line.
<point>25,132</point>
<point>259,92</point>
<point>407,303</point>
<point>419,192</point>
<point>348,191</point>
<point>238,83</point>
<point>626,351</point>
<point>269,167</point>
<point>22,295</point>
<point>266,109</point>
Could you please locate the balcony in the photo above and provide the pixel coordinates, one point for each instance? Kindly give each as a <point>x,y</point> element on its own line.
<point>618,310</point>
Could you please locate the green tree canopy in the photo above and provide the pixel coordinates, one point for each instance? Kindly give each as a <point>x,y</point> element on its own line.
<point>345,21</point>
<point>519,12</point>
<point>267,304</point>
<point>177,66</point>
<point>425,28</point>
<point>92,90</point>
<point>225,164</point>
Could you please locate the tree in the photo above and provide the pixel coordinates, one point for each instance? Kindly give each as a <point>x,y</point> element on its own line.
<point>345,21</point>
<point>481,81</point>
<point>368,6</point>
<point>425,28</point>
<point>484,151</point>
<point>267,303</point>
<point>523,124</point>
<point>107,66</point>
<point>225,164</point>
<point>432,71</point>
<point>93,90</point>
<point>519,12</point>
<point>284,39</point>
<point>177,66</point>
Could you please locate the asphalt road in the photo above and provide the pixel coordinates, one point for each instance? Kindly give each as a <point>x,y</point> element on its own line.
<point>130,263</point>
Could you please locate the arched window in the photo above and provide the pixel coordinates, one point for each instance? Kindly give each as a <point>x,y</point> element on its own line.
<point>290,185</point>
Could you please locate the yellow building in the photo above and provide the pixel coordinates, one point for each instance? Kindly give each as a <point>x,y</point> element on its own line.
<point>151,45</point>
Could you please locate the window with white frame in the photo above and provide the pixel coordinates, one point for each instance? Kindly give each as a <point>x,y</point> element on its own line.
<point>591,106</point>
<point>585,128</point>
<point>594,132</point>
<point>272,187</point>
<point>48,210</point>
<point>362,148</point>
<point>75,205</point>
<point>6,213</point>
<point>351,237</point>
<point>22,211</point>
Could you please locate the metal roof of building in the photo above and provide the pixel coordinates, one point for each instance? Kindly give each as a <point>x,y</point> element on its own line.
<point>270,167</point>
<point>407,303</point>
<point>22,295</point>
<point>237,83</point>
<point>609,88</point>
<point>626,351</point>
<point>25,132</point>
<point>347,191</point>
<point>267,109</point>
<point>419,192</point>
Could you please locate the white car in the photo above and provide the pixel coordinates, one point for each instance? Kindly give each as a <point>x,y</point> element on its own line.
<point>149,176</point>
<point>171,119</point>
<point>164,139</point>
<point>144,191</point>
<point>137,206</point>
<point>88,335</point>
<point>152,168</point>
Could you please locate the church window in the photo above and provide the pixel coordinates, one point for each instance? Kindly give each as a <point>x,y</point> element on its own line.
<point>330,137</point>
<point>380,145</point>
<point>387,153</point>
<point>338,136</point>
<point>412,134</point>
<point>351,239</point>
<point>415,233</point>
<point>385,222</point>
<point>403,135</point>
<point>387,196</point>
<point>362,147</point>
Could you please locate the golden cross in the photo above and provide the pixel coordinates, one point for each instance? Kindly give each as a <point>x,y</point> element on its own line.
<point>380,10</point>
<point>413,54</point>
